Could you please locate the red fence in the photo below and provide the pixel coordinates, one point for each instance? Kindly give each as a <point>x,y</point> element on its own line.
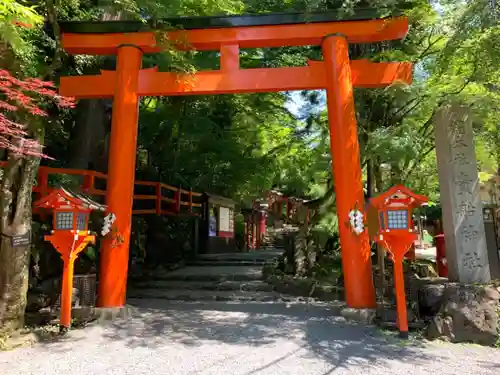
<point>181,198</point>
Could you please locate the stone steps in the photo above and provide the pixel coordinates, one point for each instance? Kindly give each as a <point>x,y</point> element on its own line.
<point>229,285</point>
<point>206,296</point>
<point>261,256</point>
<point>210,278</point>
<point>228,263</point>
<point>212,274</point>
<point>223,277</point>
<point>210,295</point>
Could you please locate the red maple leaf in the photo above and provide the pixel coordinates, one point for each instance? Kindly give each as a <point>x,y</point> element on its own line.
<point>22,24</point>
<point>27,96</point>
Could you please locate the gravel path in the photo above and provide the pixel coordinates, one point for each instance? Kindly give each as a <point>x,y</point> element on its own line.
<point>163,338</point>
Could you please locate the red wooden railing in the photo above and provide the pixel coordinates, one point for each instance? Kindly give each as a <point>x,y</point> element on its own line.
<point>88,187</point>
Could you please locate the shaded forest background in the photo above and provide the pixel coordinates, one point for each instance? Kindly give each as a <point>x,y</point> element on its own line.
<point>239,146</point>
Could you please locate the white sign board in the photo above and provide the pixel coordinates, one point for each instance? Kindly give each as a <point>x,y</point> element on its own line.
<point>224,220</point>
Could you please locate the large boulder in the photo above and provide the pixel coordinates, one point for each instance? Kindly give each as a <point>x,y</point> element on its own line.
<point>468,313</point>
<point>37,301</point>
<point>430,295</point>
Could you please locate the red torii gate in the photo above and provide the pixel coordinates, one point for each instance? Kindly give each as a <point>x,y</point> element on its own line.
<point>336,73</point>
<point>272,202</point>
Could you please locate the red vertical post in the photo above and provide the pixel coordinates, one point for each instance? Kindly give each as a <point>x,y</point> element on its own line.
<point>121,177</point>
<point>229,57</point>
<point>257,232</point>
<point>190,201</point>
<point>254,232</point>
<point>262,224</point>
<point>441,263</point>
<point>249,235</point>
<point>356,254</point>
<point>43,181</point>
<point>246,233</point>
<point>43,185</point>
<point>88,182</point>
<point>288,208</point>
<point>399,283</point>
<point>67,291</point>
<point>177,198</point>
<point>158,198</point>
<point>250,231</point>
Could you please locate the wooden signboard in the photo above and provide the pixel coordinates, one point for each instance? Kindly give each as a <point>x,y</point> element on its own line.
<point>21,240</point>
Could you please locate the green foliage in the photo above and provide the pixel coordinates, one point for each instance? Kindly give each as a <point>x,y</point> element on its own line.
<point>247,144</point>
<point>17,23</point>
<point>242,145</point>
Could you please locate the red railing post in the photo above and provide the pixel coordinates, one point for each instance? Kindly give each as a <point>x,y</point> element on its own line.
<point>254,232</point>
<point>190,201</point>
<point>288,208</point>
<point>250,232</point>
<point>257,230</point>
<point>247,243</point>
<point>158,198</point>
<point>43,181</point>
<point>441,263</point>
<point>177,198</point>
<point>88,182</point>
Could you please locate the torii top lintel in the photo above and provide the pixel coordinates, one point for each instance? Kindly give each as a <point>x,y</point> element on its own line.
<point>250,31</point>
<point>228,35</point>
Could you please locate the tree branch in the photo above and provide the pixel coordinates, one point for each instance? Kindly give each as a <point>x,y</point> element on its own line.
<point>418,161</point>
<point>52,6</point>
<point>427,51</point>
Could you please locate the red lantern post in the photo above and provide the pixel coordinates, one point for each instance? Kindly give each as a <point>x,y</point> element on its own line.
<point>442,264</point>
<point>69,236</point>
<point>397,235</point>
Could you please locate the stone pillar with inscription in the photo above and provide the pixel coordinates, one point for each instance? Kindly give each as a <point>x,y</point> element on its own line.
<point>463,224</point>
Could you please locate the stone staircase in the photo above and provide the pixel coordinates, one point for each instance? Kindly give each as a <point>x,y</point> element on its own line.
<point>275,237</point>
<point>214,277</point>
<point>235,278</point>
<point>232,277</point>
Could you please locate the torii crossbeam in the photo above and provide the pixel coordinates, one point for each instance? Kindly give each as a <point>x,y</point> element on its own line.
<point>336,73</point>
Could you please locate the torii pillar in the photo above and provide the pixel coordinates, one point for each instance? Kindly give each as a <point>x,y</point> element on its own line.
<point>356,250</point>
<point>121,176</point>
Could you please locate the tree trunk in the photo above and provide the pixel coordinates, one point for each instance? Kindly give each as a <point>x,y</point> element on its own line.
<point>369,179</point>
<point>377,176</point>
<point>395,175</point>
<point>88,133</point>
<point>93,123</point>
<point>15,208</point>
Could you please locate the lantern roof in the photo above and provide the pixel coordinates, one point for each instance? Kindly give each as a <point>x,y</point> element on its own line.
<point>65,198</point>
<point>398,194</point>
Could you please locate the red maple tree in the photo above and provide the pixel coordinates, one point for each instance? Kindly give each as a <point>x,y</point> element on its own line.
<point>28,96</point>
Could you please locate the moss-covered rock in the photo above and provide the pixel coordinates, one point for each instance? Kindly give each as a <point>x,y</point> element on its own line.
<point>468,313</point>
